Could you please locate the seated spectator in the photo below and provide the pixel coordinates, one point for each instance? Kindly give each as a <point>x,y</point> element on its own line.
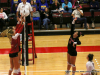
<point>55,6</point>
<point>33,4</point>
<point>42,5</point>
<point>14,8</point>
<point>3,17</point>
<point>94,6</point>
<point>76,4</point>
<point>67,6</point>
<point>46,18</point>
<point>78,13</point>
<point>36,17</point>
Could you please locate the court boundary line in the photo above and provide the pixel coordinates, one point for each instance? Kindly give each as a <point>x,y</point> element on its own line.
<point>52,71</point>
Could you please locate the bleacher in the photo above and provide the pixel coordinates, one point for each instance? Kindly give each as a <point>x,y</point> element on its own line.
<point>56,19</point>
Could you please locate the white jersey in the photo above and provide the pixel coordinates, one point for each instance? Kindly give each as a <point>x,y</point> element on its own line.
<point>90,67</point>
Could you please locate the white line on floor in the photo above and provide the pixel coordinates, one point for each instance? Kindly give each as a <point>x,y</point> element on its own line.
<point>51,71</point>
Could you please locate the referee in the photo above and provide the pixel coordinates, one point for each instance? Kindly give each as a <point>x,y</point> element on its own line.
<point>25,9</point>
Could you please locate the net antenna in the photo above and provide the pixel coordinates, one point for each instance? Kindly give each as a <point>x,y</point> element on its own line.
<point>24,45</point>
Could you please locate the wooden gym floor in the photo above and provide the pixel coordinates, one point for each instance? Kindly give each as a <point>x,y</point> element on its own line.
<point>52,60</point>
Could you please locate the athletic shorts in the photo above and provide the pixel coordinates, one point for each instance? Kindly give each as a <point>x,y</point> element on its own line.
<point>74,53</point>
<point>19,49</point>
<point>13,55</point>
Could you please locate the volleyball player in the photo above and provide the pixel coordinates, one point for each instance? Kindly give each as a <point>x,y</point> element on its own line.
<point>72,53</point>
<point>13,34</point>
<point>90,66</point>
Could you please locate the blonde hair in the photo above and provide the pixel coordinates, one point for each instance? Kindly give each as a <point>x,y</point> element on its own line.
<point>8,32</point>
<point>57,1</point>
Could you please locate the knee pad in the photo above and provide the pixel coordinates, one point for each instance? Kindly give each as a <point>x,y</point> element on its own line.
<point>68,63</point>
<point>10,69</point>
<point>16,71</point>
<point>73,65</point>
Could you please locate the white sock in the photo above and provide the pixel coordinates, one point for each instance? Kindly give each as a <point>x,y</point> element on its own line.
<point>18,70</point>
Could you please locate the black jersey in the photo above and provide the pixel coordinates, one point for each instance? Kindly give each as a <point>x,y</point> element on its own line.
<point>72,50</point>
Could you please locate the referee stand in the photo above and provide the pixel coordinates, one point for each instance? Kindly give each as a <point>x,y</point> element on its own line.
<point>33,44</point>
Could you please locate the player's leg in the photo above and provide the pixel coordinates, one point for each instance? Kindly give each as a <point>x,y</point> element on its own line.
<point>19,56</point>
<point>11,66</point>
<point>16,65</point>
<point>73,60</point>
<point>68,64</point>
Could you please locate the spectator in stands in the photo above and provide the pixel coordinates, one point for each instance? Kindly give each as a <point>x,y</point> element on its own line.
<point>33,4</point>
<point>46,18</point>
<point>55,6</point>
<point>78,13</point>
<point>43,4</point>
<point>76,4</point>
<point>3,18</point>
<point>94,7</point>
<point>67,6</point>
<point>14,8</point>
<point>36,16</point>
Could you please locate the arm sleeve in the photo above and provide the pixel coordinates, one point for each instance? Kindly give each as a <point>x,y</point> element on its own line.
<point>20,29</point>
<point>18,8</point>
<point>73,12</point>
<point>5,16</point>
<point>69,5</point>
<point>78,42</point>
<point>63,5</point>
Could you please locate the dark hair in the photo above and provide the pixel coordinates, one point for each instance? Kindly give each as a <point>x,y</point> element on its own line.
<point>80,33</point>
<point>76,3</point>
<point>90,56</point>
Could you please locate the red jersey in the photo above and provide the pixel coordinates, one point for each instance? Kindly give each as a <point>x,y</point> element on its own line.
<point>15,41</point>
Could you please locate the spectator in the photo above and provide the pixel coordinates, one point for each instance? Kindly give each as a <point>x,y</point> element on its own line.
<point>67,6</point>
<point>46,18</point>
<point>36,16</point>
<point>3,18</point>
<point>33,4</point>
<point>55,6</point>
<point>78,13</point>
<point>43,4</point>
<point>14,8</point>
<point>76,4</point>
<point>94,7</point>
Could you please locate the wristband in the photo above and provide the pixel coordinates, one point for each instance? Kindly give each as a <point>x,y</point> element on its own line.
<point>75,42</point>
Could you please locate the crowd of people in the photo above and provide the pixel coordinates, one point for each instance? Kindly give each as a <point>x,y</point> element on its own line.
<point>42,11</point>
